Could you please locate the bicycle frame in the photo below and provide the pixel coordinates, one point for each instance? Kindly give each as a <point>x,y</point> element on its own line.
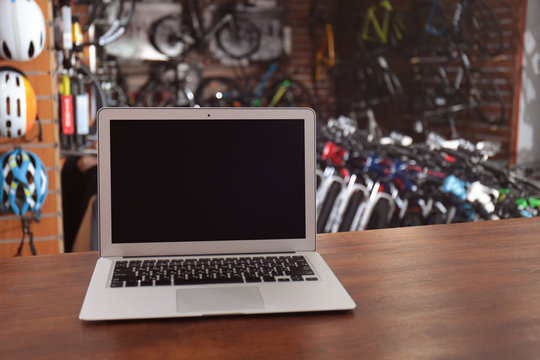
<point>201,32</point>
<point>258,92</point>
<point>325,58</point>
<point>381,30</point>
<point>456,19</point>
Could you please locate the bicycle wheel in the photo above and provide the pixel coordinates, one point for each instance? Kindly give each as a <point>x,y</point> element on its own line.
<point>239,38</point>
<point>486,97</point>
<point>379,215</point>
<point>483,27</point>
<point>434,89</point>
<point>352,208</point>
<point>290,93</point>
<point>328,204</point>
<point>169,36</point>
<point>168,94</point>
<point>379,82</point>
<point>218,91</point>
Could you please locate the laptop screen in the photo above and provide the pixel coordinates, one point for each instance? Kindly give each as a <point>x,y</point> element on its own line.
<point>207,180</point>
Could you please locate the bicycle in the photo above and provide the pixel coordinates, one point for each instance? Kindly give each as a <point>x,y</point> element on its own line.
<point>378,83</point>
<point>321,33</point>
<point>111,18</point>
<point>449,89</point>
<point>178,34</point>
<point>481,26</point>
<point>244,91</point>
<point>366,184</point>
<point>169,84</point>
<point>391,31</point>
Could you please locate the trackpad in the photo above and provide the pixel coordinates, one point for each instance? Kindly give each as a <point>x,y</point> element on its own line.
<point>224,299</point>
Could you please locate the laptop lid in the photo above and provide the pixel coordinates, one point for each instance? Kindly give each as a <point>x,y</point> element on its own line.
<point>190,181</point>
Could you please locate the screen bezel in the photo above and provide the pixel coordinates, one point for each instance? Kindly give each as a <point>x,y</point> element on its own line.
<point>108,248</point>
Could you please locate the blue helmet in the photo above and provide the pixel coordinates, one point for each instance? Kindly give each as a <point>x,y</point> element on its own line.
<point>23,181</point>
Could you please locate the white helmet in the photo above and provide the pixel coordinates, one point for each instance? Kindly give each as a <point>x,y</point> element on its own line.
<point>22,29</point>
<point>17,103</point>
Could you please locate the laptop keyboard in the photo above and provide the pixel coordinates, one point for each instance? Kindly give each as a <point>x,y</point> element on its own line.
<point>211,270</point>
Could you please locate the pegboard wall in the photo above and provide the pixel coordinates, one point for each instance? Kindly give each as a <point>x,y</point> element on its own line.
<point>505,70</point>
<point>41,73</point>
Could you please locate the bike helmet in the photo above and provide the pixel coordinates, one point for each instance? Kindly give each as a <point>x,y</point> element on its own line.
<point>24,183</point>
<point>22,29</point>
<point>17,103</point>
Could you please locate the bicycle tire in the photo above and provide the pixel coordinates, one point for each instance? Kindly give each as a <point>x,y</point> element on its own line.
<point>167,94</point>
<point>218,92</point>
<point>484,29</point>
<point>168,36</point>
<point>352,207</point>
<point>328,204</point>
<point>243,42</point>
<point>378,218</point>
<point>484,91</point>
<point>288,93</point>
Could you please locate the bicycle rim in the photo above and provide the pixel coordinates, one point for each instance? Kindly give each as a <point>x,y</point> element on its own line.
<point>165,35</point>
<point>484,28</point>
<point>218,91</point>
<point>168,95</point>
<point>486,94</point>
<point>239,38</point>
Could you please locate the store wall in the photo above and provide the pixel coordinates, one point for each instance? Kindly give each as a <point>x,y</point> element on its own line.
<point>528,144</point>
<point>403,114</point>
<point>41,73</point>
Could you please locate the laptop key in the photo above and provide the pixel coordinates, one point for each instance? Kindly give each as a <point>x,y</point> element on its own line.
<point>117,284</point>
<point>165,281</point>
<point>132,283</point>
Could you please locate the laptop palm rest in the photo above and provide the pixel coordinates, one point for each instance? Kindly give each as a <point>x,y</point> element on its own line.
<point>217,299</point>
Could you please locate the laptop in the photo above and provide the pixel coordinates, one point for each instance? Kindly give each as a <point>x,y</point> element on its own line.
<point>208,211</point>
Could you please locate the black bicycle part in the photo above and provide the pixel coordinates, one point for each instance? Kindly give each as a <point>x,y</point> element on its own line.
<point>483,28</point>
<point>379,215</point>
<point>239,38</point>
<point>483,90</point>
<point>326,207</point>
<point>350,211</point>
<point>218,92</point>
<point>296,94</point>
<point>172,36</point>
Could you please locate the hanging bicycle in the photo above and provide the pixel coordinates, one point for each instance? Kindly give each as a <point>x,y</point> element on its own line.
<point>472,22</point>
<point>177,34</point>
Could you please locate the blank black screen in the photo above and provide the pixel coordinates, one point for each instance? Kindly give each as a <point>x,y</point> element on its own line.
<point>199,180</point>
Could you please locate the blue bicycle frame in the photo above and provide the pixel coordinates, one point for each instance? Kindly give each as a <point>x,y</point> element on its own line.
<point>455,21</point>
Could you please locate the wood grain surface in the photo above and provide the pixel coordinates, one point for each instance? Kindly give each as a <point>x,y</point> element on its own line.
<point>460,291</point>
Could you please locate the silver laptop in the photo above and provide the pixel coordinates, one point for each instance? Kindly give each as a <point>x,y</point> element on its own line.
<point>208,211</point>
